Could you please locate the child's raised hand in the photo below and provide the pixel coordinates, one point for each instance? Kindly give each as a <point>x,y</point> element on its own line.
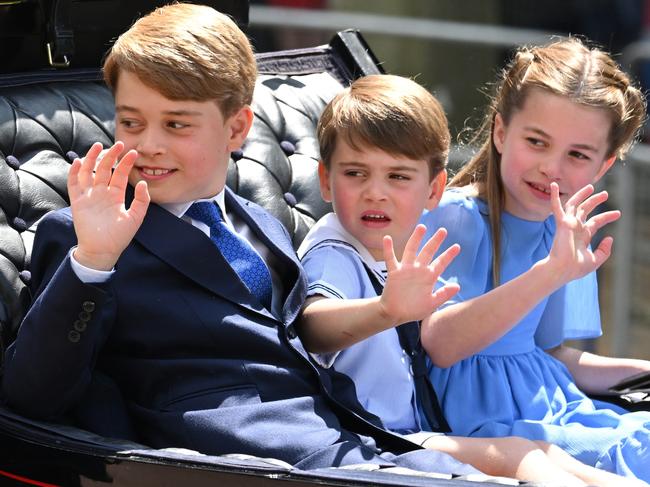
<point>575,229</point>
<point>409,291</point>
<point>103,225</point>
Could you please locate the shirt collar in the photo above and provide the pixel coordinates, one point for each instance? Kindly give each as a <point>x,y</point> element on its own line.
<point>179,209</point>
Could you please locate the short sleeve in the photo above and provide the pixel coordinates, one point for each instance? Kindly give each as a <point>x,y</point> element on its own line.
<point>572,313</point>
<point>461,216</point>
<point>334,272</point>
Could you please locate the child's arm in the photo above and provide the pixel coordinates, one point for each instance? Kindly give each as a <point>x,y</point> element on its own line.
<point>331,325</point>
<point>594,374</point>
<point>465,328</point>
<point>103,225</point>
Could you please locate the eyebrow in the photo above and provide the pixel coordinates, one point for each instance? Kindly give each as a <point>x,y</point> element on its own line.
<point>585,147</point>
<point>363,164</point>
<point>175,113</point>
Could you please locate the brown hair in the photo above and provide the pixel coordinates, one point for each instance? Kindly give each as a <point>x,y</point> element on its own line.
<point>388,112</point>
<point>187,52</point>
<point>565,67</point>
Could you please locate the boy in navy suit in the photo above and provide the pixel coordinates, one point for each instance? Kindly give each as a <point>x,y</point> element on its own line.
<point>134,302</point>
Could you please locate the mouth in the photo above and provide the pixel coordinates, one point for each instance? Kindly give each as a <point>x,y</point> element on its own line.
<point>541,190</point>
<point>154,172</point>
<point>375,218</point>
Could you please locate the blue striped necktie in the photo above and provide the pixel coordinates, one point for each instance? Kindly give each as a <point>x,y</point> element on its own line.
<point>239,253</point>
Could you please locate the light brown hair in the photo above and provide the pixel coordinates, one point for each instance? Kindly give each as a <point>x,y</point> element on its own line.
<point>387,112</point>
<point>566,67</point>
<point>187,52</point>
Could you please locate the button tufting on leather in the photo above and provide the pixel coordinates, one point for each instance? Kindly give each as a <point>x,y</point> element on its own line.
<point>19,224</point>
<point>291,332</point>
<point>236,155</point>
<point>288,148</point>
<point>290,199</point>
<point>13,163</point>
<point>25,276</point>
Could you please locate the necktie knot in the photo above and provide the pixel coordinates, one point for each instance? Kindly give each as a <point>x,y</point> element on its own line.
<point>205,211</point>
<point>239,253</point>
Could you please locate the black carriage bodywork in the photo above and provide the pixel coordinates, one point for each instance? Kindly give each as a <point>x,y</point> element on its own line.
<point>47,116</point>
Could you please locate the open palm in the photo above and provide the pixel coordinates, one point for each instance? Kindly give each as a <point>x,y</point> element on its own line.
<point>571,249</point>
<point>103,225</point>
<point>409,291</point>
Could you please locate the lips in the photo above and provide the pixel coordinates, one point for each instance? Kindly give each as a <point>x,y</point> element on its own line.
<point>541,188</point>
<point>375,219</point>
<point>148,172</point>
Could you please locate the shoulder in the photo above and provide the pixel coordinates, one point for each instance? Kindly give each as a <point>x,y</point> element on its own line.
<point>464,216</point>
<point>335,271</point>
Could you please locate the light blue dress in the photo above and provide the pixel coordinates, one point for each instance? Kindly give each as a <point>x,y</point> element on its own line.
<point>513,387</point>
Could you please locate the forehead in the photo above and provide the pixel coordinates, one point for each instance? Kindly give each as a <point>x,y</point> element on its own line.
<point>131,94</point>
<point>365,155</point>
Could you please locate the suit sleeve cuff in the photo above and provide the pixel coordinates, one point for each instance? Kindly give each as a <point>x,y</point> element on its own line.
<point>86,274</point>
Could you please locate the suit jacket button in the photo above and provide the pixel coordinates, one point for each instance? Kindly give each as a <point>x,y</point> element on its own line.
<point>80,326</point>
<point>74,336</point>
<point>88,306</point>
<point>291,332</point>
<point>84,316</point>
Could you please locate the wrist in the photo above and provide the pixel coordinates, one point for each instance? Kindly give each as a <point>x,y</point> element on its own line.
<point>550,275</point>
<point>386,318</point>
<point>95,261</point>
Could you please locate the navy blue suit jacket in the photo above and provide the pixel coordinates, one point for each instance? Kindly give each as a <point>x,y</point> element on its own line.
<point>199,362</point>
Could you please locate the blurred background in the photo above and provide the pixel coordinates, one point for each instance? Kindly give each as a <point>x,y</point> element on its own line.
<point>455,49</point>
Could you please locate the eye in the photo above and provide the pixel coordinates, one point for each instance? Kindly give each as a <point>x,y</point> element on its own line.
<point>353,173</point>
<point>400,177</point>
<point>129,123</point>
<point>535,142</point>
<point>579,155</point>
<point>176,125</point>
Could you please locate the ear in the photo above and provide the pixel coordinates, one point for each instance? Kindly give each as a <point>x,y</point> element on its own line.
<point>607,163</point>
<point>499,133</point>
<point>436,188</point>
<point>238,126</point>
<point>324,179</point>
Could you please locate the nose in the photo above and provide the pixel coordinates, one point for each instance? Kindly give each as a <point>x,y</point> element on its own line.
<point>551,166</point>
<point>150,142</point>
<point>374,190</point>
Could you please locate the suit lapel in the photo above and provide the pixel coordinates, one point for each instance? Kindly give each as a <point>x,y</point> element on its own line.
<point>192,253</point>
<point>270,233</point>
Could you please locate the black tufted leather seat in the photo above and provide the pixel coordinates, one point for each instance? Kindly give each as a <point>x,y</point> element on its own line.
<point>45,122</point>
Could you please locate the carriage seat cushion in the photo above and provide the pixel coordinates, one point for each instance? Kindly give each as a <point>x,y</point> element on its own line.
<point>43,126</point>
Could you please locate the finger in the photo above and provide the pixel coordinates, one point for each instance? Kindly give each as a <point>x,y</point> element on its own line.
<point>413,244</point>
<point>587,206</point>
<point>104,168</point>
<point>597,222</point>
<point>444,294</point>
<point>389,254</point>
<point>556,204</point>
<point>74,190</point>
<point>140,203</point>
<point>604,250</point>
<point>85,175</point>
<point>580,195</point>
<point>431,247</point>
<point>120,176</point>
<point>439,265</point>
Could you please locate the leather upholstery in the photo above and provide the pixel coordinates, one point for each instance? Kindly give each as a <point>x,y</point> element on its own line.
<point>43,125</point>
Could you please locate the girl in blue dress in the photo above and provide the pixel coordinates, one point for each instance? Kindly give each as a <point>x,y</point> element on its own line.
<point>520,210</point>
